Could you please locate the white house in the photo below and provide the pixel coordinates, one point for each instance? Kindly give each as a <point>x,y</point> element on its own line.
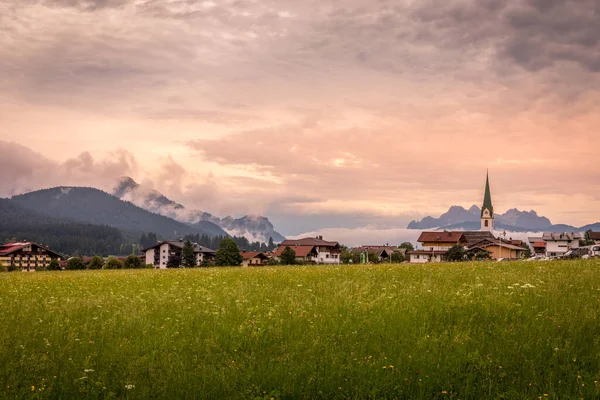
<point>158,255</point>
<point>315,250</point>
<point>558,244</point>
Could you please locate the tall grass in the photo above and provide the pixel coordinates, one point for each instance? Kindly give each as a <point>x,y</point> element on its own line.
<point>468,331</point>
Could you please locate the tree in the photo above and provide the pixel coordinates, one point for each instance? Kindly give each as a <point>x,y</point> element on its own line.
<point>96,263</point>
<point>54,265</point>
<point>174,261</point>
<point>455,253</point>
<point>188,257</point>
<point>406,245</point>
<point>133,262</point>
<point>397,257</point>
<point>372,257</point>
<point>228,254</point>
<point>113,263</point>
<point>271,245</point>
<point>75,263</point>
<point>288,256</point>
<point>345,257</point>
<point>527,252</point>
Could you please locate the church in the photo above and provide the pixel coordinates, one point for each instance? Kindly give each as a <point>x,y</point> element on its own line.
<point>487,210</point>
<point>436,244</point>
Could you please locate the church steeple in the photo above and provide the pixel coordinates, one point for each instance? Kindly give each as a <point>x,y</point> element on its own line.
<point>487,209</point>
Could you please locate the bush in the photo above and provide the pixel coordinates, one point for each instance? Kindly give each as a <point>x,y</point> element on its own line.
<point>149,266</point>
<point>113,263</point>
<point>207,263</point>
<point>54,265</point>
<point>174,261</point>
<point>272,261</point>
<point>75,263</point>
<point>96,263</point>
<point>133,262</point>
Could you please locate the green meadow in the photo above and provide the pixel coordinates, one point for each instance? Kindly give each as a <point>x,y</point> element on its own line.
<point>443,331</point>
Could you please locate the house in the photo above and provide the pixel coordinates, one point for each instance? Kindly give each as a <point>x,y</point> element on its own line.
<point>158,255</point>
<point>383,253</point>
<point>253,258</point>
<point>557,244</point>
<point>435,245</point>
<point>595,236</point>
<point>312,250</point>
<point>498,248</point>
<point>27,256</point>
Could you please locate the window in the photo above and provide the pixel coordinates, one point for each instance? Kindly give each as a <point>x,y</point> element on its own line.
<point>326,255</point>
<point>486,223</point>
<point>416,257</point>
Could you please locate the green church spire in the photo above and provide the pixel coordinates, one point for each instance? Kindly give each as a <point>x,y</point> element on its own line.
<point>487,199</point>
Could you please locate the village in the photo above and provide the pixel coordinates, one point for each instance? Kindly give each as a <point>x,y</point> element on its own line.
<point>432,246</point>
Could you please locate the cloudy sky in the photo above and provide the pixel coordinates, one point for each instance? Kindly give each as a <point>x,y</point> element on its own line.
<point>318,114</point>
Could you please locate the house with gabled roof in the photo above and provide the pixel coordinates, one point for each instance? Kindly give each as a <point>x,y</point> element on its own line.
<point>254,258</point>
<point>312,250</point>
<point>558,244</point>
<point>158,255</point>
<point>595,236</point>
<point>435,245</point>
<point>27,256</point>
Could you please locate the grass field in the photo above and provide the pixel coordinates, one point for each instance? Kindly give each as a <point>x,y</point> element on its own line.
<point>462,331</point>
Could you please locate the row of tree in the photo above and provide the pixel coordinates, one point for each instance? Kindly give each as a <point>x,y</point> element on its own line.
<point>97,262</point>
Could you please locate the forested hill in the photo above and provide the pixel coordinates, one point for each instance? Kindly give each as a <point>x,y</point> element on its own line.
<point>62,235</point>
<point>97,207</point>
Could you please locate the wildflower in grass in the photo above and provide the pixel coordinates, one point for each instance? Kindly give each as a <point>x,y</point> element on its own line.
<point>33,388</point>
<point>444,392</point>
<point>129,387</point>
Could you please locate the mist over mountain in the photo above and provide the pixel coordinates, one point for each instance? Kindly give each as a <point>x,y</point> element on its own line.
<point>254,228</point>
<point>94,206</point>
<point>513,220</point>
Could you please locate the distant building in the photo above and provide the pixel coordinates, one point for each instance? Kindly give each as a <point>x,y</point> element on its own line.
<point>383,253</point>
<point>435,245</point>
<point>312,250</point>
<point>27,256</point>
<point>558,244</point>
<point>487,210</point>
<point>253,258</point>
<point>595,236</point>
<point>158,255</point>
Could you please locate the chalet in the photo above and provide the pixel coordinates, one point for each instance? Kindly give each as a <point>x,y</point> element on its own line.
<point>557,244</point>
<point>158,255</point>
<point>539,248</point>
<point>27,256</point>
<point>498,249</point>
<point>595,236</point>
<point>253,258</point>
<point>312,250</point>
<point>435,245</point>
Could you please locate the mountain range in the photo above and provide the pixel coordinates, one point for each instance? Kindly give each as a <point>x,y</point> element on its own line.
<point>512,220</point>
<point>254,228</point>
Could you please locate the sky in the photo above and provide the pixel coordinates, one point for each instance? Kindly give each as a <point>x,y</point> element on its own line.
<point>351,114</point>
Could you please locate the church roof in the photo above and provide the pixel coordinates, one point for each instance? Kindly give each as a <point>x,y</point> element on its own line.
<point>487,198</point>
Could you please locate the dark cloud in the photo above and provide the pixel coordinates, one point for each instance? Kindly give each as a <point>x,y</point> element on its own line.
<point>25,170</point>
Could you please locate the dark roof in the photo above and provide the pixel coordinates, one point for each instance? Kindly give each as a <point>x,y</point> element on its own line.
<point>564,236</point>
<point>473,237</point>
<point>440,237</point>
<point>595,235</point>
<point>301,251</point>
<point>9,248</point>
<point>246,255</point>
<point>487,198</point>
<point>377,250</point>
<point>197,248</point>
<point>539,244</point>
<point>308,242</point>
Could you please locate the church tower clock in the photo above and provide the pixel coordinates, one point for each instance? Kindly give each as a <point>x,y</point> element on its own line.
<point>487,210</point>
